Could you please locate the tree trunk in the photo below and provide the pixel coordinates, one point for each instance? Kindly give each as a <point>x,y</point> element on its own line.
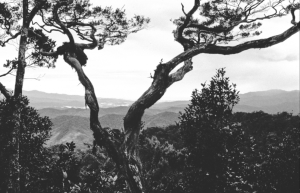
<point>127,168</point>
<point>161,81</point>
<point>21,63</point>
<point>14,159</point>
<point>133,118</point>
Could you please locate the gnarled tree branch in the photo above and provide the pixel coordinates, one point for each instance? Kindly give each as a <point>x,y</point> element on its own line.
<point>57,20</point>
<point>162,80</point>
<point>127,168</point>
<point>7,72</point>
<point>35,10</point>
<point>227,50</point>
<point>94,43</point>
<point>179,31</point>
<point>11,38</point>
<point>180,73</point>
<point>4,91</point>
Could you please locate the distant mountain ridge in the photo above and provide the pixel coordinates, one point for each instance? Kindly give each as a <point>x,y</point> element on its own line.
<point>68,128</point>
<point>72,124</point>
<point>41,100</point>
<point>272,101</point>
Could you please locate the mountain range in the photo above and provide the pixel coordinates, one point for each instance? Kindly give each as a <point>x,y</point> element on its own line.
<point>67,128</point>
<point>40,100</point>
<point>70,117</point>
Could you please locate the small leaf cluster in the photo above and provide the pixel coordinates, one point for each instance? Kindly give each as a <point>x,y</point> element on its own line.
<point>40,43</point>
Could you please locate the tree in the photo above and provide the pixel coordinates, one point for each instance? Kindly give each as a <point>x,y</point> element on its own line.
<point>215,145</point>
<point>273,162</point>
<point>214,150</point>
<point>33,156</point>
<point>10,18</point>
<point>63,16</point>
<point>163,156</point>
<point>110,27</point>
<point>206,29</point>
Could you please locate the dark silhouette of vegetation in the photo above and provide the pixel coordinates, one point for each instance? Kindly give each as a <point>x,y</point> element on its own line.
<point>217,151</point>
<point>34,131</point>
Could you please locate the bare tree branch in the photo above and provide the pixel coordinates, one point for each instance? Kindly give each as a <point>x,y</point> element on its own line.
<point>178,34</point>
<point>4,91</point>
<point>7,72</point>
<point>92,35</point>
<point>48,31</point>
<point>36,9</point>
<point>101,135</point>
<point>179,74</point>
<point>293,9</point>
<point>227,50</point>
<point>11,38</point>
<point>57,20</point>
<point>182,6</point>
<point>49,53</point>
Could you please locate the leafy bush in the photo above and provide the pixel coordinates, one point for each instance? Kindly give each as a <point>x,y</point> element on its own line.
<point>33,157</point>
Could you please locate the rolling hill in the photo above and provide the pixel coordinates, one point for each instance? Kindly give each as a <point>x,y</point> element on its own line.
<point>271,101</point>
<point>72,124</point>
<point>41,100</point>
<point>68,128</point>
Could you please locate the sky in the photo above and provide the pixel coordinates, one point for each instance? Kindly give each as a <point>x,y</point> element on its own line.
<point>123,71</point>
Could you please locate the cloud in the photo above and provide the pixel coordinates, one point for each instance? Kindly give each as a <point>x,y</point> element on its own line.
<point>291,57</point>
<point>276,58</point>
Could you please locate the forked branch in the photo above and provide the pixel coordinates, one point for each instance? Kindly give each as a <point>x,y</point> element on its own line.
<point>8,72</point>
<point>57,20</point>
<point>180,73</point>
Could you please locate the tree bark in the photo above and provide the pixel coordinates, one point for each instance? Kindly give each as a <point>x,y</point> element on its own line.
<point>21,55</point>
<point>14,163</point>
<point>133,119</point>
<point>4,91</point>
<point>127,169</point>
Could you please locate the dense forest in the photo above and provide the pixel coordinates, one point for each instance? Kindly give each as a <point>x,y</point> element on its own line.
<point>210,149</point>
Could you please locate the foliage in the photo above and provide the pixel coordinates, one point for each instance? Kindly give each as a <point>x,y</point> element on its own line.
<point>112,26</point>
<point>262,154</point>
<point>34,131</point>
<point>213,143</point>
<point>248,152</point>
<point>85,171</point>
<point>162,164</point>
<point>225,21</point>
<point>210,109</point>
<point>213,150</point>
<point>56,169</point>
<point>273,163</point>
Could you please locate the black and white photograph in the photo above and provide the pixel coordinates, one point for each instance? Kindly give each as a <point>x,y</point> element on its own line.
<point>137,96</point>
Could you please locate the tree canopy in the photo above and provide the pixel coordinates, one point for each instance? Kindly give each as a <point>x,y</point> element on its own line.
<point>213,150</point>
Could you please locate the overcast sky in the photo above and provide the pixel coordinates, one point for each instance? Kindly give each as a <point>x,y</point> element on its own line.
<point>123,71</point>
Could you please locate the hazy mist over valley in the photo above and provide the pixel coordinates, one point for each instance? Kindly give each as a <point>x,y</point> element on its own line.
<point>70,117</point>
